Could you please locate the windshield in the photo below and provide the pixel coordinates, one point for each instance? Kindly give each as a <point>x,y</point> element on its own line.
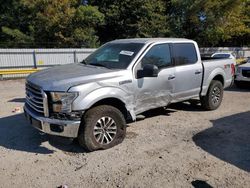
<point>114,55</point>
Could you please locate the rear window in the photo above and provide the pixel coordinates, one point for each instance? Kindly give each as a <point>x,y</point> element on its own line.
<point>184,53</point>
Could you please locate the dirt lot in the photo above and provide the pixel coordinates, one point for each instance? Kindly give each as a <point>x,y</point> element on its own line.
<point>182,146</point>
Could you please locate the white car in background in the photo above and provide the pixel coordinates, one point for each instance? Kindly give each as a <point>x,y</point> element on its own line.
<point>223,55</point>
<point>242,76</point>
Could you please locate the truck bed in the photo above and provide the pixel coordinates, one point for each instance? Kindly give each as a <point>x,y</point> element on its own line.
<point>214,66</point>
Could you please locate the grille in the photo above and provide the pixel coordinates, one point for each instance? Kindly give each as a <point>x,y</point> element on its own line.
<point>246,73</point>
<point>34,98</point>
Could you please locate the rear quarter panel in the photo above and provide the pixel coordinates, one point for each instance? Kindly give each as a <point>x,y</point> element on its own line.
<point>212,68</point>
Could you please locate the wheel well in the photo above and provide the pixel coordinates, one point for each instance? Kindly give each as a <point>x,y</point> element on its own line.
<point>219,78</point>
<point>117,103</point>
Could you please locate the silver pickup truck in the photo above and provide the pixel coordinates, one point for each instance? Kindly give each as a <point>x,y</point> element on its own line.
<point>92,100</point>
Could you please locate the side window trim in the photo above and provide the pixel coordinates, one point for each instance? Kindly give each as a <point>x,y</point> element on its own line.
<point>137,61</point>
<point>172,55</point>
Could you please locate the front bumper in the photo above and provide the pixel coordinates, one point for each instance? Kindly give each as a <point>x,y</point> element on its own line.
<point>65,128</point>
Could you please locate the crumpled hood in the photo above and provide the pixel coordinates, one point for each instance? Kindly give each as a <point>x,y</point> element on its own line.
<point>61,78</point>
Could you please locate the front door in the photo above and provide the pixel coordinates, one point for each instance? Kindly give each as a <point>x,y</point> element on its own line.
<point>153,92</point>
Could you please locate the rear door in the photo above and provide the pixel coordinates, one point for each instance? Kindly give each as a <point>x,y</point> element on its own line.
<point>188,71</point>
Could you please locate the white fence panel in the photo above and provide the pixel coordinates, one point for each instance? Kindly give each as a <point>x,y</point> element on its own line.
<point>42,58</point>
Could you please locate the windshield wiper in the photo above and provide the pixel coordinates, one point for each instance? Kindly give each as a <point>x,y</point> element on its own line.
<point>98,65</point>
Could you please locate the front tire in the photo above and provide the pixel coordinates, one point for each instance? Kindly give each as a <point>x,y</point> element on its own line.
<point>102,127</point>
<point>214,96</point>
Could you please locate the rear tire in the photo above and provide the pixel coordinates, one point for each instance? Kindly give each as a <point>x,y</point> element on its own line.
<point>214,96</point>
<point>102,127</point>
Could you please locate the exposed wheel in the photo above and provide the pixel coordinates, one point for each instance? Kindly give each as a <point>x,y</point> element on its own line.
<point>214,96</point>
<point>102,127</point>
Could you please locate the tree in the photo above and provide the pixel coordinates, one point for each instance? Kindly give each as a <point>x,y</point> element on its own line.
<point>209,22</point>
<point>51,23</point>
<point>77,23</point>
<point>128,19</point>
<point>15,24</point>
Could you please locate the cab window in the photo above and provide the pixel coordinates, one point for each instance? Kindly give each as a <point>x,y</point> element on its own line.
<point>184,54</point>
<point>158,55</point>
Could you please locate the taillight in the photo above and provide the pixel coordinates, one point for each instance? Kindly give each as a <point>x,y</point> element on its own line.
<point>232,69</point>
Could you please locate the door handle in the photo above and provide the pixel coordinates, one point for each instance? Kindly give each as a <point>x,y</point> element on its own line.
<point>171,77</point>
<point>197,71</point>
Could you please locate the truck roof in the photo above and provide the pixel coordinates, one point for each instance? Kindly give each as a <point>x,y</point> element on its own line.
<point>150,40</point>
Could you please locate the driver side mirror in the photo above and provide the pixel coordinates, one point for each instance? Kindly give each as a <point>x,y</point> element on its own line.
<point>148,70</point>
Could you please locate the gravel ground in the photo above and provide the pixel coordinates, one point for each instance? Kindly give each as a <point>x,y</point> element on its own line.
<point>182,146</point>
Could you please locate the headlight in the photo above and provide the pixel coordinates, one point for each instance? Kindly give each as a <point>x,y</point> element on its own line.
<point>61,101</point>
